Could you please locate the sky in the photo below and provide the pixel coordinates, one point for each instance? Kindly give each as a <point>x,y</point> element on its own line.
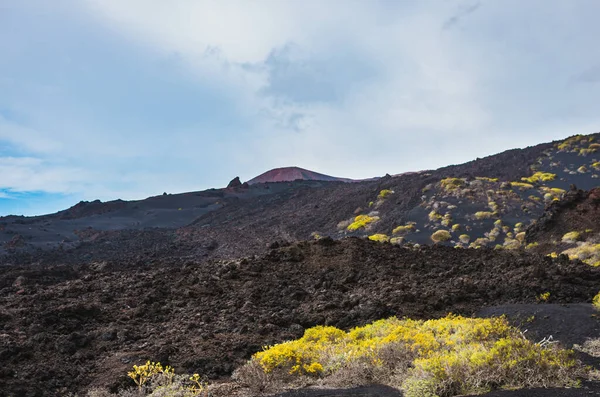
<point>107,99</point>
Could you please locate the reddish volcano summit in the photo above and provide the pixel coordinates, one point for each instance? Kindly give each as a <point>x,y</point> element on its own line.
<point>288,174</point>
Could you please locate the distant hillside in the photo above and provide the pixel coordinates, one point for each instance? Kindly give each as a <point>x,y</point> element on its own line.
<point>289,174</point>
<point>488,202</point>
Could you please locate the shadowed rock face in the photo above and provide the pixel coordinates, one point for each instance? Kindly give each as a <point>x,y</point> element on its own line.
<point>235,182</point>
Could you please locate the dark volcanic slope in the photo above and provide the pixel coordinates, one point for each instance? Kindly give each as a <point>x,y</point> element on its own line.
<point>67,327</point>
<point>228,223</point>
<point>578,211</point>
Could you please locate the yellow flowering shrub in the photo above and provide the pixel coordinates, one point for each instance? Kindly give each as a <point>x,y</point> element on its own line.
<point>444,357</point>
<point>361,221</point>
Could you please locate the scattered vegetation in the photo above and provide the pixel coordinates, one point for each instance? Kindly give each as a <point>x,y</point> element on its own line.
<point>446,357</point>
<point>361,221</point>
<point>440,236</point>
<point>586,252</point>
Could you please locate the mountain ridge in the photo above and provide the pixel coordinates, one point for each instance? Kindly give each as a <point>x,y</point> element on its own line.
<point>290,174</point>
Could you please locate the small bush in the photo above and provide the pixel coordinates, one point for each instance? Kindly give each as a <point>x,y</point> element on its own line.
<point>434,216</point>
<point>447,220</point>
<point>480,215</point>
<point>384,194</point>
<point>596,300</point>
<point>571,237</point>
<point>522,185</point>
<point>451,184</point>
<point>441,235</point>
<point>361,221</point>
<point>464,238</point>
<point>404,229</point>
<point>382,238</point>
<point>544,297</point>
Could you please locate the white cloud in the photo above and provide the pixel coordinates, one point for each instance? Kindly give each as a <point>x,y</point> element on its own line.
<point>351,88</point>
<point>34,174</point>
